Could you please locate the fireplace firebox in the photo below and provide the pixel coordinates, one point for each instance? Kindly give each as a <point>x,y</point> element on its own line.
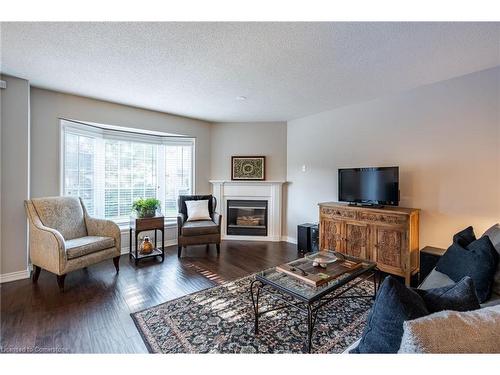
<point>247,217</point>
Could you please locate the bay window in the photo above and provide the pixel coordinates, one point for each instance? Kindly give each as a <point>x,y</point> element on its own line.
<point>109,169</point>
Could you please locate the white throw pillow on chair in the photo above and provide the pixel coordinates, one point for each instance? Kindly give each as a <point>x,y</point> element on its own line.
<point>197,210</point>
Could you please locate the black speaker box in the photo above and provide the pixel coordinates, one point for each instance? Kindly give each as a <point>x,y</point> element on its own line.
<point>307,238</point>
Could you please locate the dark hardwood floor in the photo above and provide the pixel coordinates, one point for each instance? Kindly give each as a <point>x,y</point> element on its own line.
<point>93,313</point>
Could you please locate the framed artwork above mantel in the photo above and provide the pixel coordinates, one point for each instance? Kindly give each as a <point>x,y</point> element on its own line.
<point>249,168</point>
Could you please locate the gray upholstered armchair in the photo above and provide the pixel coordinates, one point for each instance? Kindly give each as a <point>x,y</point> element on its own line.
<point>198,232</point>
<point>64,238</point>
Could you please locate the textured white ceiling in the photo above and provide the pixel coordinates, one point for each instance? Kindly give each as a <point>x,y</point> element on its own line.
<point>286,70</point>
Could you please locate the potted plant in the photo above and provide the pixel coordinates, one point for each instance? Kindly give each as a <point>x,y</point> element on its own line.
<point>146,207</point>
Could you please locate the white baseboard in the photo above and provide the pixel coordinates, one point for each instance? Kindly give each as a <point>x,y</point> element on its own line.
<point>257,238</point>
<point>250,238</point>
<point>13,276</point>
<point>289,239</point>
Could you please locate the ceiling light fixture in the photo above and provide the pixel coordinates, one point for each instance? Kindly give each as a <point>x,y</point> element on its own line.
<point>241,98</point>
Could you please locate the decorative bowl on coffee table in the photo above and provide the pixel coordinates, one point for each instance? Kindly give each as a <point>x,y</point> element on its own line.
<point>323,258</point>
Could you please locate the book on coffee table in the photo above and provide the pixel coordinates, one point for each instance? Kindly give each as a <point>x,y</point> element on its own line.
<point>315,275</point>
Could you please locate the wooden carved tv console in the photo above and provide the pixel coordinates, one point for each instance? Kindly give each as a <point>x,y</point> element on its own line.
<point>388,236</point>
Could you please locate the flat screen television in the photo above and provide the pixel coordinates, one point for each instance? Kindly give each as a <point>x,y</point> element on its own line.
<point>369,186</point>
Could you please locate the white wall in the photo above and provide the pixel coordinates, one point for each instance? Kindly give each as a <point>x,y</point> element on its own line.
<point>445,137</point>
<point>257,138</point>
<point>15,129</point>
<point>48,106</point>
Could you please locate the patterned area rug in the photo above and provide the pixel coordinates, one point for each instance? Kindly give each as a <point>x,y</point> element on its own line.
<point>221,320</point>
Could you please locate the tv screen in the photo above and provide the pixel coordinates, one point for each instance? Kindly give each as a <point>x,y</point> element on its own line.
<point>379,185</point>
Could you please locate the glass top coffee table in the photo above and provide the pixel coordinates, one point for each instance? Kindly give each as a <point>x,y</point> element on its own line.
<point>309,299</point>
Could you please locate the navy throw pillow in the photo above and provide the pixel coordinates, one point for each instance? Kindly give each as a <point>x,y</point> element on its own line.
<point>478,260</point>
<point>465,236</point>
<point>394,304</point>
<point>458,297</point>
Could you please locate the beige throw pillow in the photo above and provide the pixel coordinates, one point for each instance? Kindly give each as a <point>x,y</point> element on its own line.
<point>197,210</point>
<point>475,331</point>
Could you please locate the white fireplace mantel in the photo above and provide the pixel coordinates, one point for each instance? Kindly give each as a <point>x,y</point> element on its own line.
<point>225,190</point>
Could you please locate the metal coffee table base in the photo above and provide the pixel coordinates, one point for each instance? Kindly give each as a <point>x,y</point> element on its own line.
<point>310,308</point>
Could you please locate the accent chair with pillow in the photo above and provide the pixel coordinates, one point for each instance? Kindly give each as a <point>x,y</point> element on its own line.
<point>197,222</point>
<point>63,237</point>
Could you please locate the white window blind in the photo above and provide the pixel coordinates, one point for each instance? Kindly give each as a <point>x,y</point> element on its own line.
<point>110,169</point>
<point>178,175</point>
<point>79,176</point>
<point>130,173</point>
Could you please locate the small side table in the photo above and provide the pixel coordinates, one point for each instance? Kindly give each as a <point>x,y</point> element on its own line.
<point>138,225</point>
<point>429,256</point>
